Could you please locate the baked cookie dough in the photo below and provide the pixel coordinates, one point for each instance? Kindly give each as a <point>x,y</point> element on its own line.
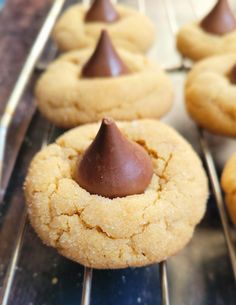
<point>215,34</point>
<point>133,31</point>
<point>195,43</point>
<point>67,99</point>
<point>228,182</point>
<point>135,230</point>
<point>211,96</point>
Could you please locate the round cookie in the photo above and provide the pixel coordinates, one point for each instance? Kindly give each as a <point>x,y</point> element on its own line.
<point>210,95</point>
<point>67,99</point>
<point>215,34</point>
<point>133,31</point>
<point>135,230</point>
<point>195,43</point>
<point>228,181</point>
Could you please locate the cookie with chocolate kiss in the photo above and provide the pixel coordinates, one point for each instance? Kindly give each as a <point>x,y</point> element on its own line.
<point>113,166</point>
<point>105,61</point>
<point>79,27</point>
<point>220,20</point>
<point>102,11</point>
<point>104,81</point>
<point>213,35</point>
<point>121,232</point>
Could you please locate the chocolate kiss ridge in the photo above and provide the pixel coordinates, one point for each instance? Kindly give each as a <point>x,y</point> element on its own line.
<point>113,166</point>
<point>103,11</point>
<point>220,20</point>
<point>232,75</point>
<point>104,62</point>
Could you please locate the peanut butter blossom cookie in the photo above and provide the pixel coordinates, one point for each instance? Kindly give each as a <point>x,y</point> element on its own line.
<point>228,182</point>
<point>84,86</point>
<point>215,34</point>
<point>79,27</point>
<point>113,196</point>
<point>211,94</point>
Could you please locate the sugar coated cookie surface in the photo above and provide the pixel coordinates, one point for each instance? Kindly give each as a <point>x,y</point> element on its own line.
<point>133,31</point>
<point>67,99</point>
<point>135,230</point>
<point>211,96</point>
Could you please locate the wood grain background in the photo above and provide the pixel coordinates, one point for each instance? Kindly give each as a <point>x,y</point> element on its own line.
<point>20,21</point>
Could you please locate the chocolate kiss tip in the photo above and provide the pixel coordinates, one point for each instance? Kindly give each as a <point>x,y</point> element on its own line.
<point>102,11</point>
<point>220,20</point>
<point>107,121</point>
<point>105,61</point>
<point>113,166</point>
<point>232,75</point>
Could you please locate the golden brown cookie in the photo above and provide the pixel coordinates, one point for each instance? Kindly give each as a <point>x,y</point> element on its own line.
<point>132,31</point>
<point>195,43</point>
<point>135,230</point>
<point>228,182</point>
<point>211,96</point>
<point>214,34</point>
<point>67,99</point>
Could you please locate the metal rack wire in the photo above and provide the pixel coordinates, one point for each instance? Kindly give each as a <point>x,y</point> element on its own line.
<point>14,100</point>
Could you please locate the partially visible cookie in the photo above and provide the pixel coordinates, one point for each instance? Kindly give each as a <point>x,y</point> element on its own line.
<point>214,35</point>
<point>84,86</point>
<point>210,93</point>
<point>134,230</point>
<point>195,43</point>
<point>132,31</point>
<point>228,182</point>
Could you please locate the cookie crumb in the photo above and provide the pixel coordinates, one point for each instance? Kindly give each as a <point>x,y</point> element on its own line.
<point>123,279</point>
<point>54,280</point>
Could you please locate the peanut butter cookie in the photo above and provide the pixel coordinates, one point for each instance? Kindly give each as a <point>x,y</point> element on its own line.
<point>131,30</point>
<point>215,34</point>
<point>84,86</point>
<point>133,230</point>
<point>211,94</point>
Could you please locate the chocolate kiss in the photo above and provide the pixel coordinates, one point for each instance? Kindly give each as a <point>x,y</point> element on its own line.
<point>220,20</point>
<point>104,62</point>
<point>232,75</point>
<point>103,11</point>
<point>112,166</point>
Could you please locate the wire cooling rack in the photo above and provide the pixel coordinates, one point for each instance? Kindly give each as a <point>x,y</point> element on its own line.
<point>203,273</point>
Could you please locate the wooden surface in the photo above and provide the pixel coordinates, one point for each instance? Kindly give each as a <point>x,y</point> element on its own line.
<point>20,21</point>
<point>19,24</point>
